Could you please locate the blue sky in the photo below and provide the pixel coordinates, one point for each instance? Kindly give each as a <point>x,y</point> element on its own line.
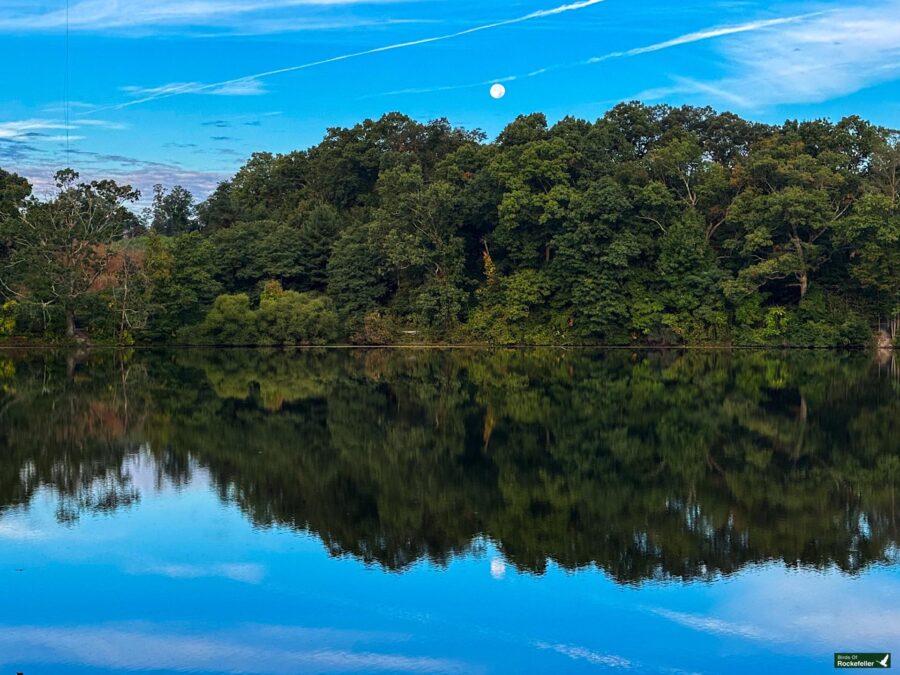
<point>182,91</point>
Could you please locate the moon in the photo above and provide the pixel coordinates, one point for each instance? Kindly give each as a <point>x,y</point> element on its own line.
<point>498,91</point>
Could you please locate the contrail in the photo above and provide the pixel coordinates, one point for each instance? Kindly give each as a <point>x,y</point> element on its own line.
<point>192,88</point>
<point>703,35</point>
<point>689,38</point>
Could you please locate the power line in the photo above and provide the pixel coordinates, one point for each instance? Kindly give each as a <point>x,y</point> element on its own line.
<point>66,88</point>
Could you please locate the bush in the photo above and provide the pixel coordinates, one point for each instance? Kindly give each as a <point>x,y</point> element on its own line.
<point>8,318</point>
<point>283,318</point>
<point>828,321</point>
<point>230,321</point>
<point>819,320</point>
<point>377,328</point>
<point>292,318</point>
<point>512,311</point>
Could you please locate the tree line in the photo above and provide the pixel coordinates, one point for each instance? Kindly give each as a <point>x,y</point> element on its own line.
<point>652,225</point>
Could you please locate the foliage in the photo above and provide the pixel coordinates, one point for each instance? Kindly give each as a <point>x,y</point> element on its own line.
<point>649,465</point>
<point>60,249</point>
<point>282,318</point>
<point>183,280</point>
<point>14,190</point>
<point>356,275</point>
<point>172,212</point>
<point>653,225</point>
<point>8,318</point>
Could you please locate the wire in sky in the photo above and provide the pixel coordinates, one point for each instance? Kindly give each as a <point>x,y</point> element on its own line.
<point>66,87</point>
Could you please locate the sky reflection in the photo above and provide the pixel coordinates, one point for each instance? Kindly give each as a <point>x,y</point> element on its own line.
<point>184,583</point>
<point>513,512</point>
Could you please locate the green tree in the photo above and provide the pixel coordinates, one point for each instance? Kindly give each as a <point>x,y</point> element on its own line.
<point>692,299</point>
<point>792,197</point>
<point>418,227</point>
<point>182,274</point>
<point>872,234</point>
<point>230,321</point>
<point>597,267</point>
<point>61,248</point>
<point>172,212</point>
<point>356,276</point>
<point>217,211</point>
<point>14,190</point>
<point>317,237</point>
<point>537,191</point>
<point>291,318</point>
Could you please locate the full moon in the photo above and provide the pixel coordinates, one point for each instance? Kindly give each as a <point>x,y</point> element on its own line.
<point>498,91</point>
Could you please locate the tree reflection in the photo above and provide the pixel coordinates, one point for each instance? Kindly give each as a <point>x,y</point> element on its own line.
<point>647,465</point>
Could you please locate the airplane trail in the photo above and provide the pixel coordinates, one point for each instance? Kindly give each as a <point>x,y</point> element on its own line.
<point>688,38</point>
<point>193,88</point>
<point>699,36</point>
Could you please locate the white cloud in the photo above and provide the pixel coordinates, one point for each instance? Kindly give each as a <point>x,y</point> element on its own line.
<point>59,139</point>
<point>700,36</point>
<point>98,15</point>
<point>34,129</point>
<point>804,611</point>
<point>34,148</point>
<point>101,124</point>
<point>28,129</point>
<point>266,26</point>
<point>709,624</point>
<point>686,85</point>
<point>245,87</point>
<point>39,165</point>
<point>824,57</point>
<point>20,531</point>
<point>817,609</point>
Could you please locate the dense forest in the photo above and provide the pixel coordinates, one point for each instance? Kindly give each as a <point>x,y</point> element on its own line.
<point>653,225</point>
<point>648,464</point>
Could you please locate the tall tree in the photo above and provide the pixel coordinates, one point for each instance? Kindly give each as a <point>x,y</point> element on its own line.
<point>318,234</point>
<point>790,202</point>
<point>418,227</point>
<point>60,248</point>
<point>872,234</point>
<point>173,212</point>
<point>218,210</point>
<point>538,189</point>
<point>14,190</point>
<point>356,275</point>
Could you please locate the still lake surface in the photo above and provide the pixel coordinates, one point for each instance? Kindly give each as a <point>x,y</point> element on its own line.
<point>446,511</point>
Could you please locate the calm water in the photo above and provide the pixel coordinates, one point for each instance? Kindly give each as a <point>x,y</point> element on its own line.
<point>428,511</point>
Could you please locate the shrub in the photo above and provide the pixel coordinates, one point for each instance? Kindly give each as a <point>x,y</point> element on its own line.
<point>292,318</point>
<point>282,318</point>
<point>8,318</point>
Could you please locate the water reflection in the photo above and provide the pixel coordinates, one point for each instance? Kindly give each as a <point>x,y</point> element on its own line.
<point>649,466</point>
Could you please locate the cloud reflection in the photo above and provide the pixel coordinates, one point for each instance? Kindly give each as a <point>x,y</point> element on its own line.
<point>149,647</point>
<point>584,654</point>
<point>248,573</point>
<point>810,611</point>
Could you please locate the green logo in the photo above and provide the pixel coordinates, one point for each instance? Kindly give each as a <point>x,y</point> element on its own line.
<point>861,660</point>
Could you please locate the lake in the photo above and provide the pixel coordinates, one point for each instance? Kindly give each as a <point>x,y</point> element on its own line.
<point>446,511</point>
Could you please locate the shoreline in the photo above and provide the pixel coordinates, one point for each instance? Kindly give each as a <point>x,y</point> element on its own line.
<point>50,346</point>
